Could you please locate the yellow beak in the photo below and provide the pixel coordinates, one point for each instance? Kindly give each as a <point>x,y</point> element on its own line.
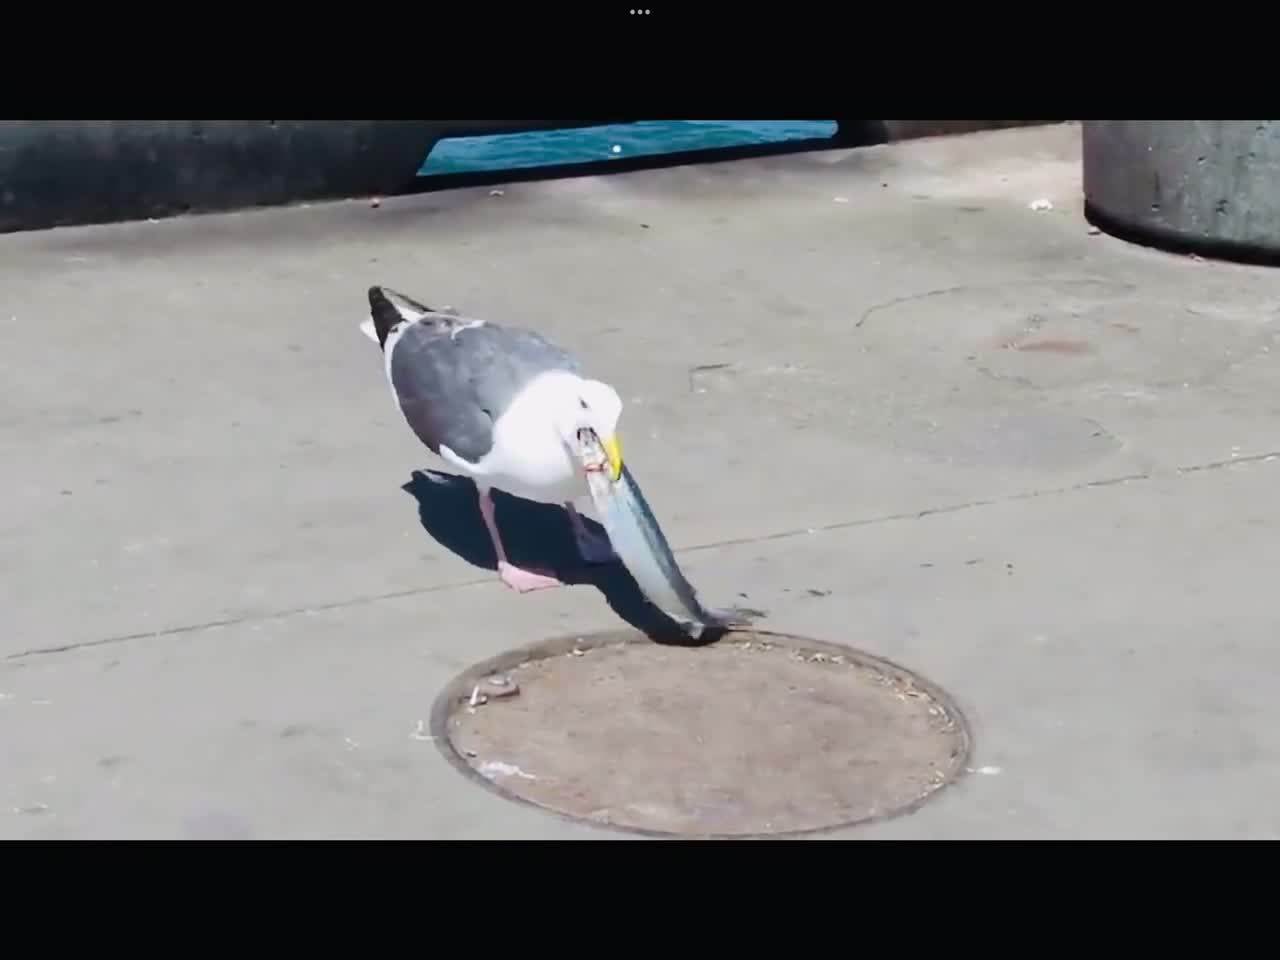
<point>614,452</point>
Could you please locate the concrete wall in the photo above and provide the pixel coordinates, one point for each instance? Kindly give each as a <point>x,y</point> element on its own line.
<point>54,173</point>
<point>854,133</point>
<point>87,171</point>
<point>910,129</point>
<point>62,172</point>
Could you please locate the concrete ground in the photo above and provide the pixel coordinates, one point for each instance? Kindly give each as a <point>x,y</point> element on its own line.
<point>1033,463</point>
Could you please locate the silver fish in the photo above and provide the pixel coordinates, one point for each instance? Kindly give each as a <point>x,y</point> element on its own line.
<point>640,545</point>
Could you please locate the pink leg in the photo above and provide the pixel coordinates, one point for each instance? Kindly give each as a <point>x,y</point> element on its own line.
<point>514,577</point>
<point>592,547</point>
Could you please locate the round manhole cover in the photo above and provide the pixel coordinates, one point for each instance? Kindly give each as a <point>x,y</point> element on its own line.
<point>758,734</point>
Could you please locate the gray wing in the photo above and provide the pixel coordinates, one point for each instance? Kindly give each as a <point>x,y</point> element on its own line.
<point>454,380</point>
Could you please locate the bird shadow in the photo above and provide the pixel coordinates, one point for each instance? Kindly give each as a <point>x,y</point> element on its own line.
<point>536,535</point>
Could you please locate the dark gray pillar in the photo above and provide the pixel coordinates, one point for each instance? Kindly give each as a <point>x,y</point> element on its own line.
<point>1210,187</point>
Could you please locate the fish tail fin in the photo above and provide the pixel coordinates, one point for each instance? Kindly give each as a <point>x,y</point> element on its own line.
<point>736,617</point>
<point>721,619</point>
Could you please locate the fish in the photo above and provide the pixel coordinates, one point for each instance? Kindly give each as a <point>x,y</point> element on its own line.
<point>638,541</point>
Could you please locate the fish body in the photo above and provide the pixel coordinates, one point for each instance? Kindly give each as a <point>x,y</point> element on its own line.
<point>638,541</point>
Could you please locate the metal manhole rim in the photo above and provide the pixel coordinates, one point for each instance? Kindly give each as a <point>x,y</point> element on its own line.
<point>458,689</point>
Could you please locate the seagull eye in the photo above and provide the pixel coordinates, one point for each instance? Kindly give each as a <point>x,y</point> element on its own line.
<point>582,403</point>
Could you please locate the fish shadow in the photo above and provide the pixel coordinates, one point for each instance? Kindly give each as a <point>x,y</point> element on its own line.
<point>536,535</point>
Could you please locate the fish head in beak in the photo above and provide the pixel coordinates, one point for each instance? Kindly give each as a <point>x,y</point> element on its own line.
<point>600,454</point>
<point>598,408</point>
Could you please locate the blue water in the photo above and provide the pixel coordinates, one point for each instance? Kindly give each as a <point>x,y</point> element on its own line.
<point>539,148</point>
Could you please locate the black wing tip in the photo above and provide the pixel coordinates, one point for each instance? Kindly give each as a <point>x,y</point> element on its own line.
<point>383,313</point>
<point>388,308</point>
<point>380,294</point>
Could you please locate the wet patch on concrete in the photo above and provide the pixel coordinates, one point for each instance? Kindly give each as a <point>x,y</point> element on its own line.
<point>1093,332</point>
<point>1149,343</point>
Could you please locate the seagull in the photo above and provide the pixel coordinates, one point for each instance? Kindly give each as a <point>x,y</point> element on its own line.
<point>501,404</point>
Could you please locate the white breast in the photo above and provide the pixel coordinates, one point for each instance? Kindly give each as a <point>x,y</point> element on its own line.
<point>528,458</point>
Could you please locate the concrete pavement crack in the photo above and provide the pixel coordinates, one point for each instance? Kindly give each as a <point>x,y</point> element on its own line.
<point>896,301</point>
<point>762,538</point>
<point>985,502</point>
<point>921,514</point>
<point>247,618</point>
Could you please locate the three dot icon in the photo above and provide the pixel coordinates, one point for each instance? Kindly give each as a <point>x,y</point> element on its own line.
<point>639,13</point>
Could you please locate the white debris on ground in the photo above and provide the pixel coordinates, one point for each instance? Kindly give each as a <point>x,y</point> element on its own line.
<point>496,768</point>
<point>1041,204</point>
<point>496,686</point>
